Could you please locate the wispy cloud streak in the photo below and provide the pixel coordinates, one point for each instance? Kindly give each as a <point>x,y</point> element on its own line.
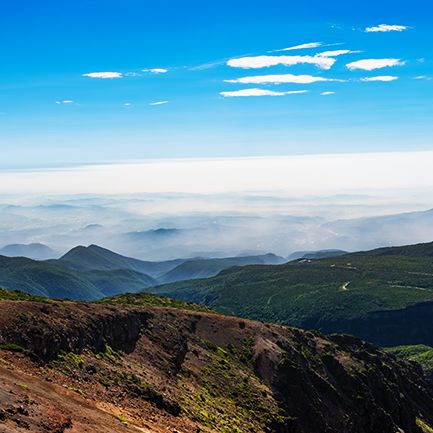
<point>258,92</point>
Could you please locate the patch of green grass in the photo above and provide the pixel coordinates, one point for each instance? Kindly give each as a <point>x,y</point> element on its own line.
<point>11,347</point>
<point>68,362</point>
<point>423,426</point>
<point>16,295</point>
<point>77,390</point>
<point>230,398</point>
<point>419,353</point>
<point>122,420</point>
<point>149,300</point>
<point>110,354</point>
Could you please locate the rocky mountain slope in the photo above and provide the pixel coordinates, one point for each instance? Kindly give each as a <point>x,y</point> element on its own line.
<point>146,364</point>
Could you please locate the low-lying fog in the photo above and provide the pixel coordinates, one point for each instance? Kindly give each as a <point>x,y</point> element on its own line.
<point>164,226</point>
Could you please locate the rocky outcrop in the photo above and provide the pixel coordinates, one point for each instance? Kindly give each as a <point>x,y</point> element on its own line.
<point>189,371</point>
<point>46,329</point>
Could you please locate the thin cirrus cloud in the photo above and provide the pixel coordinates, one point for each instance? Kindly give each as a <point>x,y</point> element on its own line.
<point>371,64</point>
<point>103,75</point>
<point>257,62</point>
<point>336,53</point>
<point>383,78</point>
<point>302,46</point>
<point>327,93</point>
<point>385,28</point>
<point>156,70</point>
<point>158,103</point>
<point>258,92</point>
<point>65,102</point>
<point>282,78</point>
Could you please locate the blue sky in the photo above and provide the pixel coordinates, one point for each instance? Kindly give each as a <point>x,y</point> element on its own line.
<point>181,55</point>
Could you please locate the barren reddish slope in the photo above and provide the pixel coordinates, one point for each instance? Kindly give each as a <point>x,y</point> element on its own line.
<point>80,367</point>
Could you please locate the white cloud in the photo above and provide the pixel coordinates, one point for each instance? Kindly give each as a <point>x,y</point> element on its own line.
<point>303,46</point>
<point>65,102</point>
<point>422,77</point>
<point>380,78</point>
<point>127,104</point>
<point>159,103</point>
<point>385,28</point>
<point>214,175</point>
<point>258,92</point>
<point>267,61</point>
<point>327,93</point>
<point>336,53</point>
<point>277,79</point>
<point>371,64</point>
<point>104,75</point>
<point>156,70</point>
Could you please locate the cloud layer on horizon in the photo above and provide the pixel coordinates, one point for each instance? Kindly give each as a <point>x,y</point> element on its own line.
<point>214,175</point>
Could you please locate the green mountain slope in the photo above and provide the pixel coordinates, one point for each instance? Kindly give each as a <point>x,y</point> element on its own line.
<point>94,257</point>
<point>417,250</point>
<point>320,254</point>
<point>205,268</point>
<point>419,353</point>
<point>49,278</point>
<point>328,294</point>
<point>45,279</point>
<point>119,281</point>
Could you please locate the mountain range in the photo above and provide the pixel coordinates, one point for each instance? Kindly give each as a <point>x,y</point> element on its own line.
<point>34,251</point>
<point>89,273</point>
<point>384,296</point>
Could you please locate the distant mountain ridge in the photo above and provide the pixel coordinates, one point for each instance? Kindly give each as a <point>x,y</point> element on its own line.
<point>205,268</point>
<point>34,251</point>
<point>51,279</point>
<point>319,254</point>
<point>95,257</point>
<point>93,272</point>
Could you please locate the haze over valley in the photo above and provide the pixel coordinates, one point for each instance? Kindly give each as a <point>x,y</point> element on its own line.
<point>172,226</point>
